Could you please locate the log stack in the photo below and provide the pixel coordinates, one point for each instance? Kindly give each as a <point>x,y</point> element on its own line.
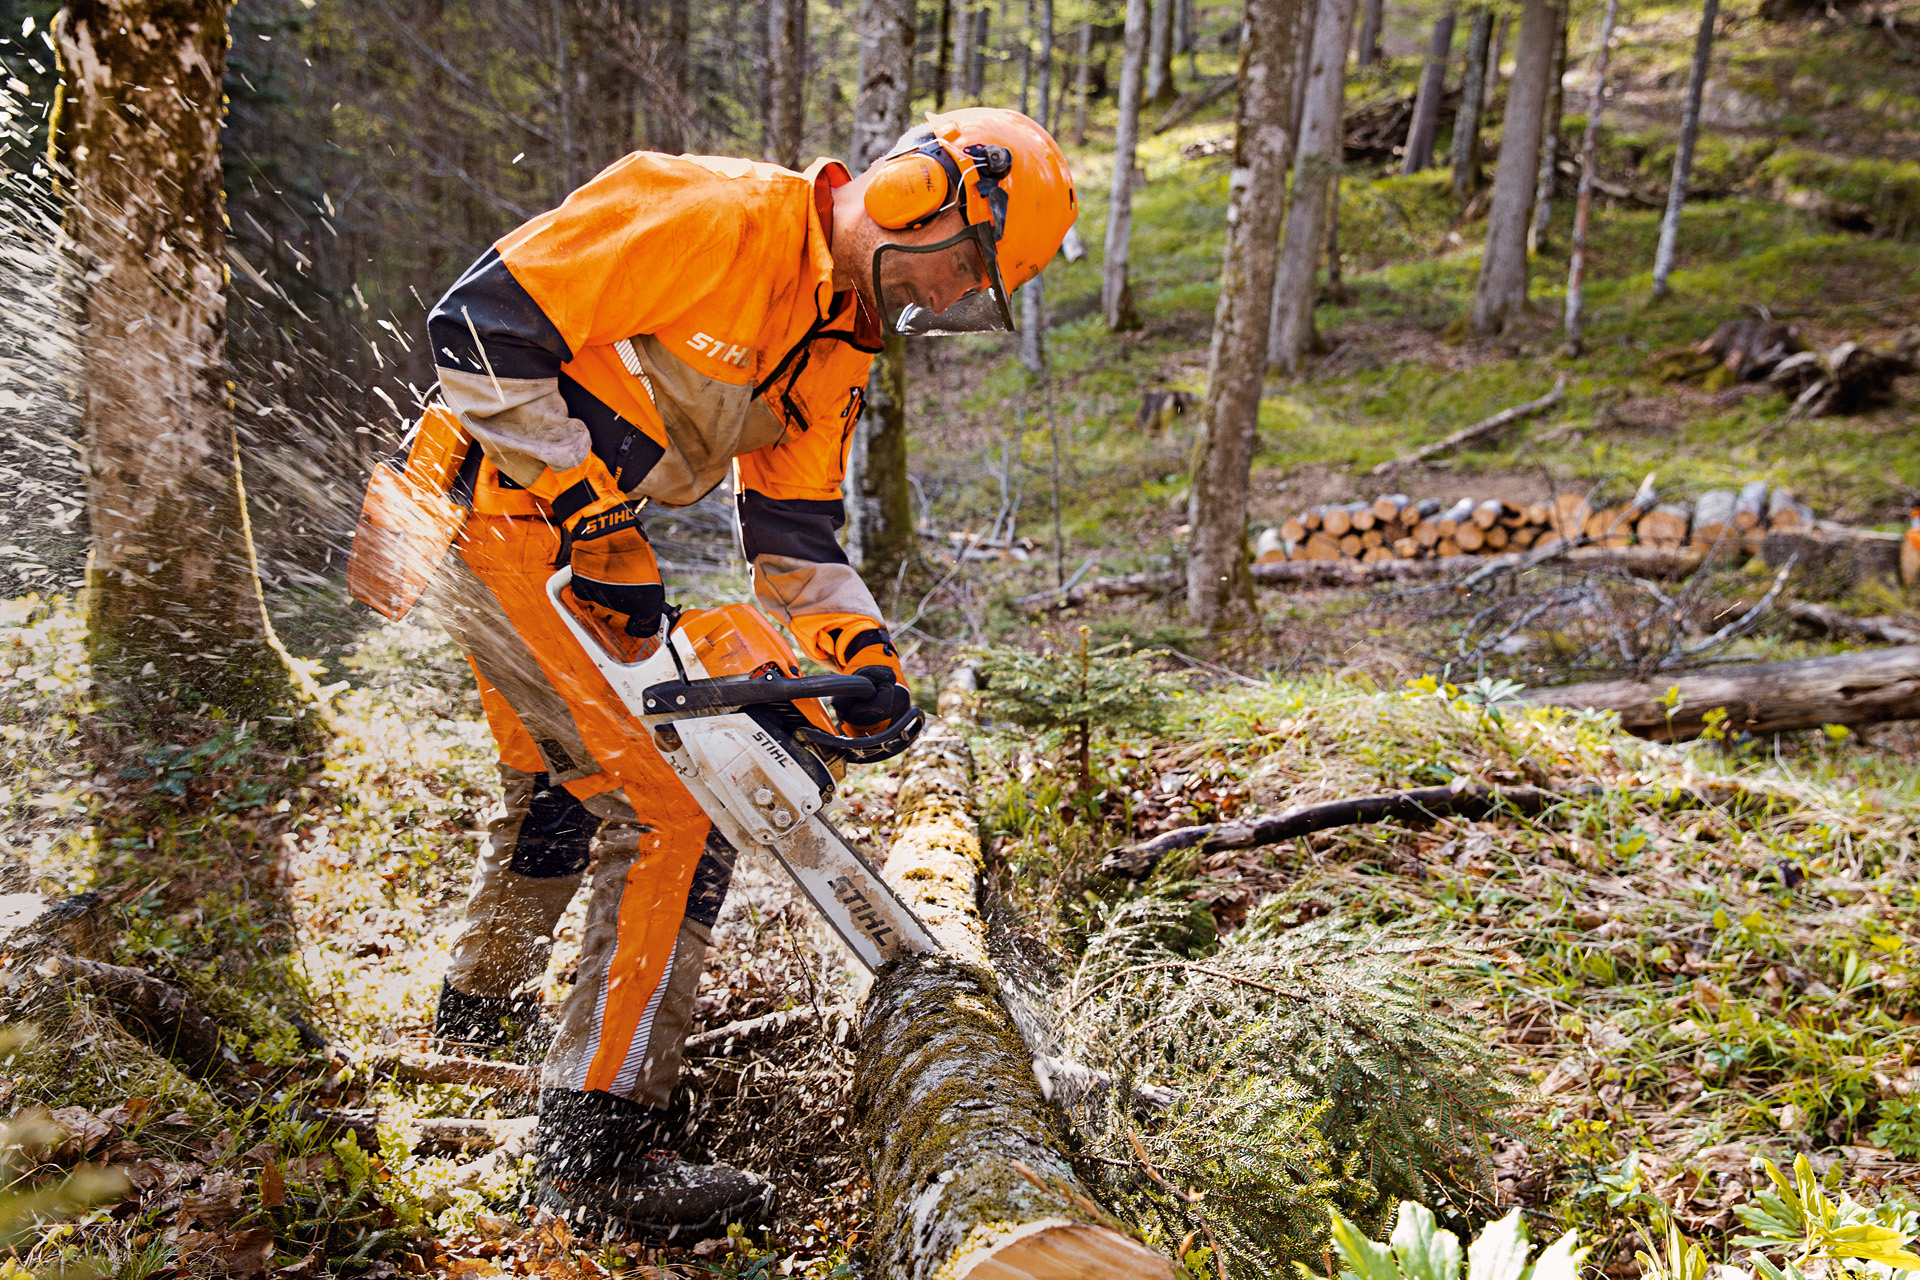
<point>1396,527</point>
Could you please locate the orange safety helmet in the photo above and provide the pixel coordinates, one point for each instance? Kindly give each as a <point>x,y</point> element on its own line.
<point>1008,177</point>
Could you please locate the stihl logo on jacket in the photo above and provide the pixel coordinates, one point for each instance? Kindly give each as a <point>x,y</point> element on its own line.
<point>720,349</point>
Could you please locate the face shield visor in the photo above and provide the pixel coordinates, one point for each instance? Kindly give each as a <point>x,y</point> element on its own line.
<point>899,273</point>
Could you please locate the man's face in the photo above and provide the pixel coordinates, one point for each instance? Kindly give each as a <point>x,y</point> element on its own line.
<point>936,280</point>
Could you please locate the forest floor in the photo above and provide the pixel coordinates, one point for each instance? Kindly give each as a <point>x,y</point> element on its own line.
<point>1711,958</point>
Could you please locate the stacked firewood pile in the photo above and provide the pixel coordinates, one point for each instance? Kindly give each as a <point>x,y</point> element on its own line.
<point>1396,527</point>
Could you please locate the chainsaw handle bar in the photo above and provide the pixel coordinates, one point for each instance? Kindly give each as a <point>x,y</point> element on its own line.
<point>884,745</point>
<point>707,695</point>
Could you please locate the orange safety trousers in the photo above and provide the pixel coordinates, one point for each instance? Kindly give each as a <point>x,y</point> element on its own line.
<point>550,711</point>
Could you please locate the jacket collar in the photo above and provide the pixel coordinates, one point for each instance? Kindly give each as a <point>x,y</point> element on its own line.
<point>825,175</point>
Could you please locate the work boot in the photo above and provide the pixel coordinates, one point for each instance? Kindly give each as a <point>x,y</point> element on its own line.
<point>488,1024</point>
<point>604,1165</point>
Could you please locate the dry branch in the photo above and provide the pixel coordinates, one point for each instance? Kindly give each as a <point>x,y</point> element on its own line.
<point>1851,689</point>
<point>1879,630</point>
<point>1484,427</point>
<point>1421,804</point>
<point>970,1169</point>
<point>442,1068</point>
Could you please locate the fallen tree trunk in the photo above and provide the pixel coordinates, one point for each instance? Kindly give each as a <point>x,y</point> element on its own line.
<point>1421,804</point>
<point>1774,697</point>
<point>1479,430</point>
<point>445,1068</point>
<point>1883,629</point>
<point>1646,561</point>
<point>970,1170</point>
<point>158,1012</point>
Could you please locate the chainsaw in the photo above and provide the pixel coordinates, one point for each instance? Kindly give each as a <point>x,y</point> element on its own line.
<point>723,702</point>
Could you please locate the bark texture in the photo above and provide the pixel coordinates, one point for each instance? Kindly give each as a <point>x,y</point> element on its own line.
<point>1583,198</point>
<point>970,1168</point>
<point>1160,90</point>
<point>1116,294</point>
<point>1315,170</point>
<point>1465,160</point>
<point>1425,125</point>
<point>962,82</point>
<point>1501,294</point>
<point>1683,154</point>
<point>1548,176</point>
<point>1773,697</point>
<point>1373,16</point>
<point>879,499</point>
<point>1219,588</point>
<point>786,80</point>
<point>173,593</point>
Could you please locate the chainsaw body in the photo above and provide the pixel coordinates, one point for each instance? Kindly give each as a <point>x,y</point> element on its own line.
<point>723,702</point>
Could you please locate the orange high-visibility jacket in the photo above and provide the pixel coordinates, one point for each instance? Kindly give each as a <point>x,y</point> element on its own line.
<point>676,316</point>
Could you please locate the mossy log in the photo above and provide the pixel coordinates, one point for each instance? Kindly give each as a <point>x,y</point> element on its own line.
<point>1774,697</point>
<point>970,1171</point>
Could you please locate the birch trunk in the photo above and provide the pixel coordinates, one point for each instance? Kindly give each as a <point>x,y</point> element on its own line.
<point>1425,125</point>
<point>1116,293</point>
<point>945,1098</point>
<point>1219,588</point>
<point>1549,143</point>
<point>1501,294</point>
<point>786,80</point>
<point>1160,89</point>
<point>1583,200</point>
<point>880,536</point>
<point>1494,58</point>
<point>173,593</point>
<point>1316,169</point>
<point>1683,155</point>
<point>1465,160</point>
<point>1374,18</point>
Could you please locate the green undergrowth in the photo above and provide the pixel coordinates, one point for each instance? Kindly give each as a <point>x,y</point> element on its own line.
<point>1701,955</point>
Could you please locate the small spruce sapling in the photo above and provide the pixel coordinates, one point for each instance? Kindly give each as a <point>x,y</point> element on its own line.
<point>1107,689</point>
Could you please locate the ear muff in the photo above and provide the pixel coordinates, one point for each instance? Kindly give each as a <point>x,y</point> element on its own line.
<point>909,189</point>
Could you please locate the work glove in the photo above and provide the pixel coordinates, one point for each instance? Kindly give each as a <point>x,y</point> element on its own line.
<point>616,584</point>
<point>871,654</point>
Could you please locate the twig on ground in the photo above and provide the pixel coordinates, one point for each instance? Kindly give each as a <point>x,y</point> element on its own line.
<point>1480,429</point>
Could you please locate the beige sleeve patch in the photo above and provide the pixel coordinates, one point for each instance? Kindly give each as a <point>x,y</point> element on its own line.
<point>522,423</point>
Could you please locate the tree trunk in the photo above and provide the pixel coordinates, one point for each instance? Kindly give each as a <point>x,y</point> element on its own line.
<point>173,594</point>
<point>1083,85</point>
<point>1549,172</point>
<point>880,536</point>
<point>1774,697</point>
<point>1160,90</point>
<point>1116,293</point>
<point>786,80</point>
<point>1501,294</point>
<point>1425,125</point>
<point>1683,155</point>
<point>977,73</point>
<point>1373,18</point>
<point>1043,77</point>
<point>668,119</point>
<point>962,83</point>
<point>970,1168</point>
<point>943,67</point>
<point>1315,170</point>
<point>1494,57</point>
<point>1026,67</point>
<point>1466,125</point>
<point>1583,201</point>
<point>1219,588</point>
